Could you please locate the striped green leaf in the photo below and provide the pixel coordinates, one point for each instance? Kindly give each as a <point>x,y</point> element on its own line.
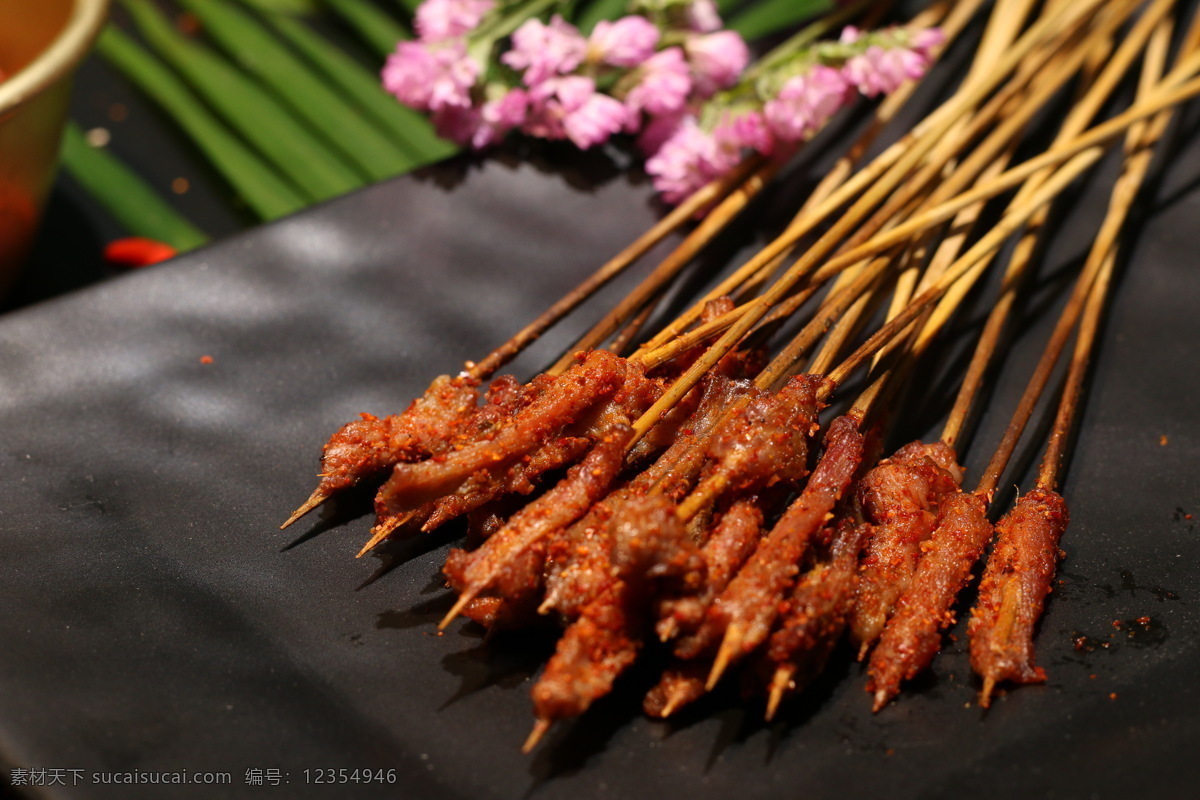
<point>249,109</point>
<point>129,199</point>
<point>305,91</point>
<point>409,128</point>
<point>265,191</point>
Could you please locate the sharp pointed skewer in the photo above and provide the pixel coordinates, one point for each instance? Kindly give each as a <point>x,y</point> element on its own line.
<point>675,702</point>
<point>985,694</point>
<point>540,728</point>
<point>463,599</point>
<point>383,530</point>
<point>781,681</point>
<point>318,497</point>
<point>729,648</point>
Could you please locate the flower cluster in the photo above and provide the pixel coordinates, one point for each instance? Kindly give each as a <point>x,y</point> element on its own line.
<point>547,83</point>
<point>783,108</point>
<point>669,74</point>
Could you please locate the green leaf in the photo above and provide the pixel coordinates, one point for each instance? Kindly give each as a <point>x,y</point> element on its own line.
<point>128,198</point>
<point>307,93</point>
<point>379,30</point>
<point>409,128</point>
<point>772,16</point>
<point>599,10</point>
<point>409,5</point>
<point>304,8</point>
<point>249,109</point>
<point>269,195</point>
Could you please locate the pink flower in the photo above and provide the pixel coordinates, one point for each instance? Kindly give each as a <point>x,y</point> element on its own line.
<point>717,59</point>
<point>431,77</point>
<point>747,131</point>
<point>665,84</point>
<point>687,161</point>
<point>702,16</point>
<point>882,68</point>
<point>456,123</point>
<point>926,40</point>
<point>545,50</point>
<point>805,103</point>
<point>437,20</point>
<point>571,108</point>
<point>882,71</point>
<point>625,43</point>
<point>486,125</point>
<point>658,130</point>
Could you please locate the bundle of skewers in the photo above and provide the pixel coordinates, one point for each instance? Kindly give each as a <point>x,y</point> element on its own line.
<point>676,489</point>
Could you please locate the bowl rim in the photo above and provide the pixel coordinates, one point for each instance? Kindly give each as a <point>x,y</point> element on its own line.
<point>57,60</point>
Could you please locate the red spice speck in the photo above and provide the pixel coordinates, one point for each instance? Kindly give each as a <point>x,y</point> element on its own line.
<point>1112,696</point>
<point>137,251</point>
<point>206,359</point>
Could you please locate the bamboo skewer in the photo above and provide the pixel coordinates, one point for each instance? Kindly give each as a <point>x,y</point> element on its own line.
<point>712,224</point>
<point>821,203</point>
<point>1076,120</point>
<point>1139,152</point>
<point>938,124</point>
<point>1097,271</point>
<point>1099,136</point>
<point>678,216</point>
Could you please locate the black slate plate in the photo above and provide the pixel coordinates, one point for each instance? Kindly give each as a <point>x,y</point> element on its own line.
<point>154,621</point>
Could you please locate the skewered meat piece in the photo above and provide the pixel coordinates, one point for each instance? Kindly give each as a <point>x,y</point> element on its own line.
<point>505,397</point>
<point>680,685</point>
<point>485,486</point>
<point>579,561</point>
<point>900,498</point>
<point>368,446</point>
<point>663,435</point>
<point>567,501</point>
<point>512,602</point>
<point>518,592</point>
<point>741,617</point>
<point>637,393</point>
<point>650,548</point>
<point>598,376</point>
<point>730,543</point>
<point>913,635</point>
<point>767,441</point>
<point>817,613</point>
<point>1013,591</point>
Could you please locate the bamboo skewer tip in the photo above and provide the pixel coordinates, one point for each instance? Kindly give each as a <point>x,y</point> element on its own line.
<point>729,646</point>
<point>318,496</point>
<point>781,681</point>
<point>456,609</point>
<point>382,531</point>
<point>985,695</point>
<point>540,728</point>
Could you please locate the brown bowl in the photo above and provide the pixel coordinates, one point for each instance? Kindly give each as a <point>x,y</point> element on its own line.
<point>41,44</point>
